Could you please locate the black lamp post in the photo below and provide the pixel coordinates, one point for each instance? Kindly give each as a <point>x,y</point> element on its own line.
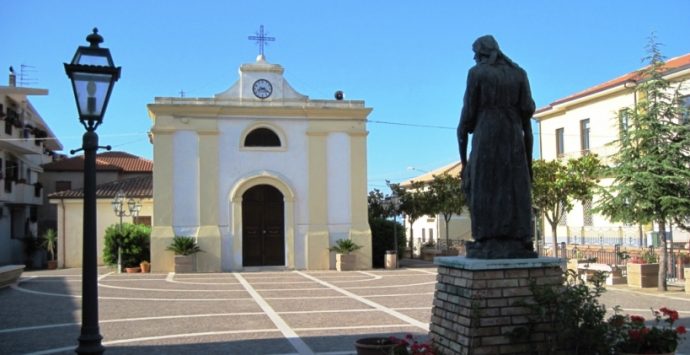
<point>93,75</point>
<point>118,204</point>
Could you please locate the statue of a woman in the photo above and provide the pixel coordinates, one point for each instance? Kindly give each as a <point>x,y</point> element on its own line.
<point>497,110</point>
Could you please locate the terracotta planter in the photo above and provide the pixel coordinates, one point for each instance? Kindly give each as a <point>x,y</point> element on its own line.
<point>52,264</point>
<point>345,262</point>
<point>374,346</point>
<point>145,267</point>
<point>132,270</point>
<point>185,264</point>
<point>643,275</point>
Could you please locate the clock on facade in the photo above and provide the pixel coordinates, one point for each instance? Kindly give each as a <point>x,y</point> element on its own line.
<point>262,88</point>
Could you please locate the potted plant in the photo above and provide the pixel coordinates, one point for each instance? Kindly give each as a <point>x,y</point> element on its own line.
<point>632,336</point>
<point>31,246</point>
<point>643,270</point>
<point>429,250</point>
<point>145,266</point>
<point>344,261</point>
<point>185,249</point>
<point>50,245</point>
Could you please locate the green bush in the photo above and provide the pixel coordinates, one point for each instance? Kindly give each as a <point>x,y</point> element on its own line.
<point>382,239</point>
<point>574,320</point>
<point>135,241</point>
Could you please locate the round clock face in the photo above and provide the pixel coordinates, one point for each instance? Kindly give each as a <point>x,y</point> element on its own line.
<point>262,88</point>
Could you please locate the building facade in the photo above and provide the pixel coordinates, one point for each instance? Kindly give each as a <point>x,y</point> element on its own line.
<point>587,122</point>
<point>69,208</point>
<point>260,175</point>
<point>432,228</point>
<point>63,210</point>
<point>26,142</point>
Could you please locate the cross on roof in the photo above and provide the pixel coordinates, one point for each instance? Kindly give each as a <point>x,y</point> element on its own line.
<point>261,38</point>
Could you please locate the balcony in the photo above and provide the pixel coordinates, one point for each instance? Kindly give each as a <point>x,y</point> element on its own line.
<point>20,140</point>
<point>13,192</point>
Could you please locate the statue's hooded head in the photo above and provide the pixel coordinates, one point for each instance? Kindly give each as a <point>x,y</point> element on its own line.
<point>486,50</point>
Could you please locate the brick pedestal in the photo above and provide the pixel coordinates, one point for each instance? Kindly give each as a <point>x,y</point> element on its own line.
<point>475,303</point>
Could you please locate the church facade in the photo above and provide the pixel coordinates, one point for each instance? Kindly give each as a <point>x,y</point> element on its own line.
<point>260,175</point>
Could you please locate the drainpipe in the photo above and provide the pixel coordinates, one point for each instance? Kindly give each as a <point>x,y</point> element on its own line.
<point>541,145</point>
<point>61,260</point>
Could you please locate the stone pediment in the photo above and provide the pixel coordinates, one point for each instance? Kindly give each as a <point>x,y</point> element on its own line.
<point>261,79</point>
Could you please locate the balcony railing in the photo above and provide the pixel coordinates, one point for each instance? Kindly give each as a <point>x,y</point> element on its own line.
<point>21,193</point>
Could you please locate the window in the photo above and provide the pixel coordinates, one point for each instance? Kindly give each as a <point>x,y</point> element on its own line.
<point>423,235</point>
<point>685,101</point>
<point>587,213</point>
<point>145,220</point>
<point>262,137</point>
<point>11,174</point>
<point>584,135</point>
<point>624,120</point>
<point>431,234</point>
<point>63,186</point>
<point>560,147</point>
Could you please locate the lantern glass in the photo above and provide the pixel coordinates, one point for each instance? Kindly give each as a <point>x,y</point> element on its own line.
<point>91,91</point>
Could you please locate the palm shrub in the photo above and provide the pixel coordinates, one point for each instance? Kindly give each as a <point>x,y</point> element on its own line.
<point>344,246</point>
<point>49,242</point>
<point>184,245</point>
<point>134,241</point>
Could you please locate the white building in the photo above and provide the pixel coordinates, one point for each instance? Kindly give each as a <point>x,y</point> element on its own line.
<point>260,175</point>
<point>26,142</point>
<point>433,228</point>
<point>588,121</point>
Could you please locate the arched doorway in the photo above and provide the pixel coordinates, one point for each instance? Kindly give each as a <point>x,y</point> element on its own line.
<point>263,233</point>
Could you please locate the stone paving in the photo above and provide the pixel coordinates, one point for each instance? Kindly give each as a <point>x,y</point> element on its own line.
<point>268,312</point>
<point>263,312</point>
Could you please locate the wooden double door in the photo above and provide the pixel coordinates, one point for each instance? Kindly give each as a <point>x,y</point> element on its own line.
<point>263,226</point>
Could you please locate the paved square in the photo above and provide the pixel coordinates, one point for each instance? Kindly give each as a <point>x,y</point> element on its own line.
<point>269,312</point>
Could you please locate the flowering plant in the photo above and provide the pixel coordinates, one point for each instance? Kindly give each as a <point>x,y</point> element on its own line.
<point>410,346</point>
<point>633,336</point>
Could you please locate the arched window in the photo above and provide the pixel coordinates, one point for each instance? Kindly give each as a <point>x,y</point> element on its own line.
<point>262,137</point>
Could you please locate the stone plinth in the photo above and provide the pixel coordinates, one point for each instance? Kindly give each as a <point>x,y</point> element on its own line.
<point>475,303</point>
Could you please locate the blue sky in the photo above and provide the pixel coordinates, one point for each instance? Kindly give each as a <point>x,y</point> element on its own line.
<point>407,59</point>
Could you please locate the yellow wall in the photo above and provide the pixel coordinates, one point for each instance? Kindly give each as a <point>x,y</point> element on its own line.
<point>70,230</point>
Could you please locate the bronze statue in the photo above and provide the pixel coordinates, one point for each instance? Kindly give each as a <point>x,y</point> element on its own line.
<point>497,179</point>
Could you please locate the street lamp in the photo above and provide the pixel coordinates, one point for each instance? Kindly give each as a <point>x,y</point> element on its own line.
<point>118,204</point>
<point>93,75</point>
<point>393,203</point>
<point>133,207</point>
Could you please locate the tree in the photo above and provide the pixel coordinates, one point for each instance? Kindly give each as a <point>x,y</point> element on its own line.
<point>377,205</point>
<point>414,202</point>
<point>447,198</point>
<point>557,186</point>
<point>651,168</point>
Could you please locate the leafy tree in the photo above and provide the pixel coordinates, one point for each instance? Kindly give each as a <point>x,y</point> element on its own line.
<point>414,202</point>
<point>134,241</point>
<point>651,168</point>
<point>446,197</point>
<point>382,231</point>
<point>557,186</point>
<point>377,205</point>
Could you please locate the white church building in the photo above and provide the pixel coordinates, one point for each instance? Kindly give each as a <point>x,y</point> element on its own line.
<point>260,175</point>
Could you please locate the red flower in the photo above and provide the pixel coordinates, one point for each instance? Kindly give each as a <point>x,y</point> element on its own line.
<point>636,319</point>
<point>681,329</point>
